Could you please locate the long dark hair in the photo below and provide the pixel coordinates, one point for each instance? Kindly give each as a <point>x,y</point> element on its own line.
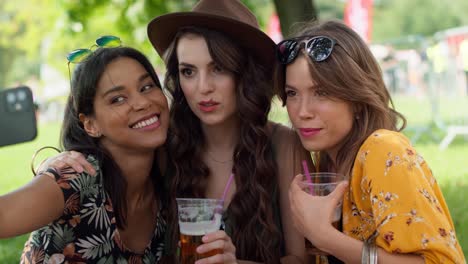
<point>351,74</point>
<point>256,237</point>
<point>81,100</point>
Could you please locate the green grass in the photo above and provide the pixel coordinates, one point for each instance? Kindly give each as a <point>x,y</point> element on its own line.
<point>15,171</point>
<point>418,110</point>
<point>449,166</point>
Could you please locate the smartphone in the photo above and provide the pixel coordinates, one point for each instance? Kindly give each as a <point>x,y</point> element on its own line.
<point>17,116</point>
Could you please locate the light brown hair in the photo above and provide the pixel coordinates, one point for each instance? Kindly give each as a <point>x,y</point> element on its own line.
<point>351,74</point>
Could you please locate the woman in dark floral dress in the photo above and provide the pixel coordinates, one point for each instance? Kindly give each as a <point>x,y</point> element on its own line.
<point>118,117</point>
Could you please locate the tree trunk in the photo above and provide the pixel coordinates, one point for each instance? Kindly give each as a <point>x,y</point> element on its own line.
<point>293,11</point>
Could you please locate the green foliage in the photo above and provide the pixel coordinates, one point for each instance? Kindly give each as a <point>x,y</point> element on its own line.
<point>262,9</point>
<point>330,9</point>
<point>399,18</point>
<point>23,24</point>
<point>59,26</point>
<point>84,21</point>
<point>7,55</point>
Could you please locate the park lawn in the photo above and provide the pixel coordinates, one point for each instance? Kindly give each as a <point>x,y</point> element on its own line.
<point>15,170</point>
<point>449,167</point>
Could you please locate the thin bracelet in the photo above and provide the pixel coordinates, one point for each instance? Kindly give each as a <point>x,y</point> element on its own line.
<point>365,253</point>
<point>373,248</point>
<point>35,155</point>
<point>373,253</point>
<point>369,249</point>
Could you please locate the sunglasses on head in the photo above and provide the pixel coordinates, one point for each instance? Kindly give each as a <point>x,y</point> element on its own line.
<point>319,48</point>
<point>80,55</point>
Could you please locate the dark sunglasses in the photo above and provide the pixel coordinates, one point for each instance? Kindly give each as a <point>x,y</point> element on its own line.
<point>80,55</point>
<point>319,48</point>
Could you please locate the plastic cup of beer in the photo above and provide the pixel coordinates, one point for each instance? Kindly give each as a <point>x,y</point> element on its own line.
<point>322,184</point>
<point>197,217</point>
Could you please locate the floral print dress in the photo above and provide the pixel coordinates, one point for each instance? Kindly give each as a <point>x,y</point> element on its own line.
<point>87,231</point>
<point>392,192</point>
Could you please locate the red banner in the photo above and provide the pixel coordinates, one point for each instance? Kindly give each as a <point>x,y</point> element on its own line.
<point>358,16</point>
<point>274,28</point>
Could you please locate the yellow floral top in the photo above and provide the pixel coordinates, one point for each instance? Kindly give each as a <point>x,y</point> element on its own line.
<point>392,190</point>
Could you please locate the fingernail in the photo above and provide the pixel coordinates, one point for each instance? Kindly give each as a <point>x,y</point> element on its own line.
<point>199,249</point>
<point>204,238</point>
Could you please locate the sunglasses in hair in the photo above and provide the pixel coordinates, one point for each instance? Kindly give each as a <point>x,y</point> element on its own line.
<point>80,55</point>
<point>319,48</point>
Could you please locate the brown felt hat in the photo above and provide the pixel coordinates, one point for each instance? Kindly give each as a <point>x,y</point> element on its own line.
<point>230,17</point>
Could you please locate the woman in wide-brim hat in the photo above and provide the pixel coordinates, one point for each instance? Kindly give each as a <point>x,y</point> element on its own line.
<point>219,68</point>
<point>231,18</point>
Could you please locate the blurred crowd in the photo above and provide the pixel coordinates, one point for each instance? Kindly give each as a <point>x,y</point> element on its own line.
<point>436,67</point>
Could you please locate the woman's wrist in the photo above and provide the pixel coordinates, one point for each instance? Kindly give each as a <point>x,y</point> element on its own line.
<point>325,237</point>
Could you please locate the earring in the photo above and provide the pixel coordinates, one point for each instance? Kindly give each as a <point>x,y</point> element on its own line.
<point>357,117</point>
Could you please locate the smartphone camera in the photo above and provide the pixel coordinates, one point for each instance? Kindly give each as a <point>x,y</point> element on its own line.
<point>16,101</point>
<point>17,116</point>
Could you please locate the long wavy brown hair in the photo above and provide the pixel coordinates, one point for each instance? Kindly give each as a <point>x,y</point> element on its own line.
<point>255,234</point>
<point>352,74</point>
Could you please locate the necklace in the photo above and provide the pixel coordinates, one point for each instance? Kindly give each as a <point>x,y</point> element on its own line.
<point>216,160</point>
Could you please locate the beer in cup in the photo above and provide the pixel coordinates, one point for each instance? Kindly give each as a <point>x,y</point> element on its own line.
<point>197,217</point>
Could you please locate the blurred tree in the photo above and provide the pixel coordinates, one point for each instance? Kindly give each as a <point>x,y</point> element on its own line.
<point>330,9</point>
<point>398,18</point>
<point>59,26</point>
<point>292,11</point>
<point>126,19</point>
<point>23,24</point>
<point>88,19</point>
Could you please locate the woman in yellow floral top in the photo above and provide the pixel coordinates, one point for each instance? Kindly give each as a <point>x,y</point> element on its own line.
<point>337,101</point>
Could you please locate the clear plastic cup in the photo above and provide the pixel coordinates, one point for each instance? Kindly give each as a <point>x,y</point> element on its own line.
<point>322,184</point>
<point>197,217</point>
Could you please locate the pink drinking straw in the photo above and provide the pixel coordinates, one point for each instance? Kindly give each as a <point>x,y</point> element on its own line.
<point>228,185</point>
<point>226,189</point>
<point>307,174</point>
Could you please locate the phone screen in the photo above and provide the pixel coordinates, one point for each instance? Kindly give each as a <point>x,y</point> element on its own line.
<point>17,116</point>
